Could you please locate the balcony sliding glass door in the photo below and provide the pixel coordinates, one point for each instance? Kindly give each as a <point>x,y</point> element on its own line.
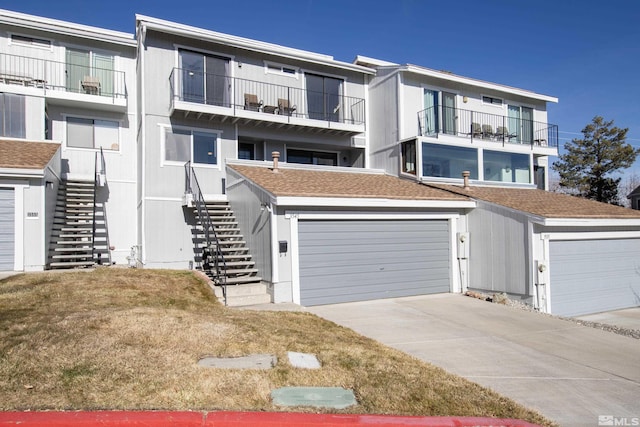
<point>323,97</point>
<point>521,123</point>
<point>89,72</point>
<point>439,112</point>
<point>205,78</point>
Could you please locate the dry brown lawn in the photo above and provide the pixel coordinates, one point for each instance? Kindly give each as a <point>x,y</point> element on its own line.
<point>131,339</point>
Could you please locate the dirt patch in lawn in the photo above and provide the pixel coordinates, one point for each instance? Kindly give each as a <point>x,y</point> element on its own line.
<point>132,339</point>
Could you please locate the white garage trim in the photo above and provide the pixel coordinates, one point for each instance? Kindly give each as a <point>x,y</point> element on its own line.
<point>594,235</point>
<point>294,216</point>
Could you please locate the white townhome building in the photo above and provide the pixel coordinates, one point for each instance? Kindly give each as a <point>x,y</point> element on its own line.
<point>288,175</point>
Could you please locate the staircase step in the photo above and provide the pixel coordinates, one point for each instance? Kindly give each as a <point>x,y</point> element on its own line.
<point>72,242</point>
<point>74,256</point>
<point>243,280</point>
<point>82,249</point>
<point>240,271</point>
<point>71,264</point>
<point>232,264</point>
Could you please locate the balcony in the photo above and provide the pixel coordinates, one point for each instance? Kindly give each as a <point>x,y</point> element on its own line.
<point>264,104</point>
<point>63,83</point>
<point>490,128</point>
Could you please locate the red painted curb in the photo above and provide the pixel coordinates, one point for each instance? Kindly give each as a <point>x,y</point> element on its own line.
<point>235,419</point>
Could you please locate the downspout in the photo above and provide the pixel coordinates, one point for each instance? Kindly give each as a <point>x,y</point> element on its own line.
<point>143,135</point>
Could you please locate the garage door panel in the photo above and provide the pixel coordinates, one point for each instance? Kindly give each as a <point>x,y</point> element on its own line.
<point>591,276</point>
<point>7,233</point>
<point>344,261</point>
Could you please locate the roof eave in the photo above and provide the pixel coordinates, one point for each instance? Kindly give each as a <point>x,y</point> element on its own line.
<point>247,44</point>
<point>474,82</point>
<point>66,28</point>
<point>589,222</point>
<point>21,172</point>
<point>360,202</point>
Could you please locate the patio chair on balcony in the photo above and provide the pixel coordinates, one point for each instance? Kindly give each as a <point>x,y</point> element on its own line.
<point>487,131</point>
<point>476,130</point>
<point>284,108</point>
<point>90,85</point>
<point>251,102</point>
<point>503,133</point>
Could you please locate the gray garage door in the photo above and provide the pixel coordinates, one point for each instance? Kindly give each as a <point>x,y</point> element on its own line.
<point>590,276</point>
<point>344,261</point>
<point>7,212</point>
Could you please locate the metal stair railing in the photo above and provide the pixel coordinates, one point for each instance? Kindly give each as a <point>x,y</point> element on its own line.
<point>212,248</point>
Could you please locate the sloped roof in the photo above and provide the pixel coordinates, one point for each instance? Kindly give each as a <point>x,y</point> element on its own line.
<point>543,203</point>
<point>323,183</point>
<point>635,192</point>
<point>17,154</point>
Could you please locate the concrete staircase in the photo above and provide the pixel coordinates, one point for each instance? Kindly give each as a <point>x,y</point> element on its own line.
<point>75,243</point>
<point>244,285</point>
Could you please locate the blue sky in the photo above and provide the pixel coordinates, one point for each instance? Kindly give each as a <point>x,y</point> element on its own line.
<point>584,52</point>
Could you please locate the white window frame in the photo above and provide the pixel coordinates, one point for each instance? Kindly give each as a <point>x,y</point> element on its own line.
<point>75,116</point>
<point>501,105</point>
<point>13,42</point>
<point>279,69</point>
<point>163,139</point>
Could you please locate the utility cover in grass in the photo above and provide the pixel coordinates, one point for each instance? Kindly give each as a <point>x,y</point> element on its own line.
<point>323,397</point>
<point>303,360</point>
<point>253,361</point>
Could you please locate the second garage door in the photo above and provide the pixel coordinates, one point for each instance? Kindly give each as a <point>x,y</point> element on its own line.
<point>590,276</point>
<point>347,260</point>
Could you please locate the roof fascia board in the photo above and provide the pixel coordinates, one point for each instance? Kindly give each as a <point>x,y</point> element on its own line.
<point>355,202</point>
<point>248,44</point>
<point>473,82</point>
<point>591,222</point>
<point>66,28</point>
<point>21,173</point>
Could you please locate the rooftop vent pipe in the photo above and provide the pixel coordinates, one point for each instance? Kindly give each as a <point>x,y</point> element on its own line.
<point>465,177</point>
<point>275,155</point>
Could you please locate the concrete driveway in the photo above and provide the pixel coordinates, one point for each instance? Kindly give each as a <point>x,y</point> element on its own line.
<point>570,373</point>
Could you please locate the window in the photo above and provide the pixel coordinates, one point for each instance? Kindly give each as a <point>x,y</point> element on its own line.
<point>448,162</point>
<point>92,133</point>
<point>12,115</point>
<point>408,153</point>
<point>272,68</point>
<point>324,96</point>
<point>506,167</point>
<point>312,157</point>
<point>186,145</point>
<point>246,151</point>
<point>491,100</point>
<point>205,78</point>
<point>89,72</point>
<point>30,41</point>
<point>440,114</point>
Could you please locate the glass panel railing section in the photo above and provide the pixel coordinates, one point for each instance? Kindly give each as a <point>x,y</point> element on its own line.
<point>62,76</point>
<point>266,98</point>
<point>490,127</point>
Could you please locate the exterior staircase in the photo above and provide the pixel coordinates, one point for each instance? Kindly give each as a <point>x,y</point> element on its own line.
<point>244,285</point>
<point>78,227</point>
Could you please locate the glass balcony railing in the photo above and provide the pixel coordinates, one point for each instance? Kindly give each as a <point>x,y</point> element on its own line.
<point>265,98</point>
<point>442,120</point>
<point>61,76</point>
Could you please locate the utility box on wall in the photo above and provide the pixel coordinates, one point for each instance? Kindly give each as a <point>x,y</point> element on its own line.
<point>462,240</point>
